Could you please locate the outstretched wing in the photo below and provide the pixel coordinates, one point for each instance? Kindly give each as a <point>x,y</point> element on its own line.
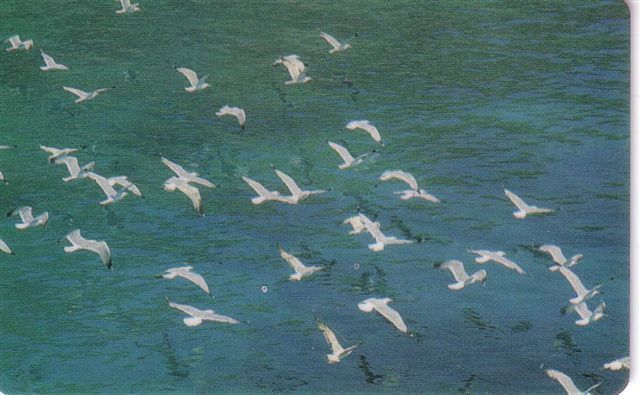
<point>331,40</point>
<point>103,183</point>
<point>342,151</point>
<point>292,260</point>
<point>192,311</point>
<point>47,59</point>
<point>190,74</point>
<point>71,162</point>
<point>330,337</point>
<point>77,92</point>
<point>196,279</point>
<point>564,380</point>
<point>515,199</point>
<point>555,252</point>
<point>256,186</point>
<point>575,282</point>
<point>400,175</point>
<point>176,168</point>
<point>392,315</point>
<point>290,183</point>
<point>456,268</point>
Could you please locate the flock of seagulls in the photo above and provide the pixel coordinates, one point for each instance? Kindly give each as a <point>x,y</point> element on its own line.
<point>117,187</point>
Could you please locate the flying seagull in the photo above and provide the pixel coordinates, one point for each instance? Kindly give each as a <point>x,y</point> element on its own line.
<point>5,248</point>
<point>414,192</point>
<point>197,84</point>
<point>337,351</point>
<point>186,273</point>
<point>264,194</point>
<point>485,256</point>
<point>300,269</point>
<point>566,383</point>
<point>558,257</point>
<point>618,364</point>
<point>75,171</point>
<point>82,95</point>
<point>582,292</point>
<point>187,176</point>
<point>50,63</point>
<point>349,161</point>
<point>57,152</point>
<point>124,182</point>
<point>297,194</point>
<point>26,215</point>
<point>337,45</point>
<point>192,192</point>
<point>460,275</point>
<point>295,67</point>
<point>586,315</point>
<point>523,208</point>
<point>127,7</point>
<point>381,240</point>
<point>381,306</point>
<point>107,188</point>
<point>367,127</point>
<point>233,111</point>
<point>80,243</point>
<point>17,44</point>
<point>197,316</point>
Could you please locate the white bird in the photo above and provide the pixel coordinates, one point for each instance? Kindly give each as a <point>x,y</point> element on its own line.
<point>367,127</point>
<point>2,178</point>
<point>28,221</point>
<point>297,194</point>
<point>382,307</point>
<point>523,208</point>
<point>618,364</point>
<point>197,316</point>
<point>197,84</point>
<point>381,240</point>
<point>337,351</point>
<point>5,248</point>
<point>3,146</point>
<point>50,63</point>
<point>566,383</point>
<point>349,160</point>
<point>127,7</point>
<point>558,257</point>
<point>300,269</point>
<point>498,257</point>
<point>107,188</point>
<point>337,45</point>
<point>586,315</point>
<point>124,182</point>
<point>582,292</point>
<point>460,275</point>
<point>57,152</point>
<point>264,194</point>
<point>186,273</point>
<point>187,176</point>
<point>192,192</point>
<point>82,95</point>
<point>295,67</point>
<point>357,224</point>
<point>234,111</point>
<point>75,171</point>
<point>17,44</point>
<point>80,243</point>
<point>408,178</point>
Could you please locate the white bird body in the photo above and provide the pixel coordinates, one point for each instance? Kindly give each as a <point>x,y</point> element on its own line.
<point>348,159</point>
<point>586,315</point>
<point>523,208</point>
<point>337,45</point>
<point>186,273</point>
<point>80,243</point>
<point>566,383</point>
<point>337,351</point>
<point>28,220</point>
<point>381,305</point>
<point>191,177</point>
<point>367,127</point>
<point>618,364</point>
<point>124,182</point>
<point>127,7</point>
<point>297,194</point>
<point>582,292</point>
<point>57,152</point>
<point>460,275</point>
<point>198,316</point>
<point>558,257</point>
<point>82,95</point>
<point>5,248</point>
<point>381,240</point>
<point>233,111</point>
<point>197,84</point>
<point>182,184</point>
<point>17,44</point>
<point>300,269</point>
<point>485,256</point>
<point>75,171</point>
<point>265,195</point>
<point>408,178</point>
<point>107,188</point>
<point>50,63</point>
<point>295,67</point>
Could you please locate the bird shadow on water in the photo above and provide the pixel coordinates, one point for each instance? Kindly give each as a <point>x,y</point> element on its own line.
<point>175,367</point>
<point>467,383</point>
<point>474,318</point>
<point>564,342</point>
<point>369,376</point>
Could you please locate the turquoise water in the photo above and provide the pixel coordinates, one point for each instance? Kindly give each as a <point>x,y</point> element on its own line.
<point>470,97</point>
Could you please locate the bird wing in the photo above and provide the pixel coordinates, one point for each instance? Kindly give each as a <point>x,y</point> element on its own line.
<point>342,151</point>
<point>190,74</point>
<point>49,150</point>
<point>240,114</point>
<point>295,68</point>
<point>192,311</point>
<point>373,131</point>
<point>392,315</point>
<point>176,168</point>
<point>508,263</point>
<point>583,310</point>
<point>290,183</point>
<point>515,199</point>
<point>75,237</point>
<point>213,316</point>
<point>47,59</point>
<point>103,183</point>
<point>72,164</point>
<point>575,282</point>
<point>565,381</point>
<point>292,261</point>
<point>196,279</point>
<point>456,268</point>
<point>4,247</point>
<point>555,252</point>
<point>331,40</point>
<point>330,337</point>
<point>101,248</point>
<point>256,186</point>
<point>14,40</point>
<point>400,175</point>
<point>77,92</point>
<point>192,193</point>
<point>25,213</point>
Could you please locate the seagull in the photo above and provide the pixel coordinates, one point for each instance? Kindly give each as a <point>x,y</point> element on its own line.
<point>523,208</point>
<point>82,95</point>
<point>300,269</point>
<point>26,215</point>
<point>566,383</point>
<point>586,315</point>
<point>558,257</point>
<point>413,184</point>
<point>620,363</point>
<point>5,248</point>
<point>80,243</point>
<point>462,278</point>
<point>192,192</point>
<point>197,316</point>
<point>297,194</point>
<point>264,194</point>
<point>349,161</point>
<point>57,152</point>
<point>17,44</point>
<point>337,351</point>
<point>186,273</point>
<point>381,306</point>
<point>127,7</point>
<point>51,63</point>
<point>187,176</point>
<point>337,45</point>
<point>295,67</point>
<point>498,257</point>
<point>235,111</point>
<point>576,284</point>
<point>75,171</point>
<point>367,127</point>
<point>381,240</point>
<point>124,182</point>
<point>107,188</point>
<point>197,84</point>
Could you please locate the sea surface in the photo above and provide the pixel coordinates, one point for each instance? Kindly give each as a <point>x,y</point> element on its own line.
<point>470,97</point>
